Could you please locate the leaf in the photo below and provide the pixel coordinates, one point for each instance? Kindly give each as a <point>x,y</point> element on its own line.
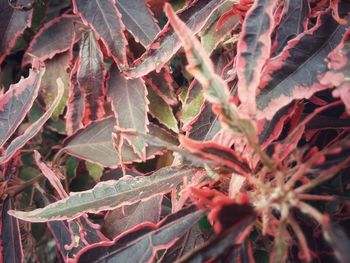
<point>16,102</point>
<point>56,36</point>
<point>76,105</point>
<point>210,35</point>
<point>10,235</point>
<point>139,20</point>
<point>103,17</point>
<point>125,218</point>
<point>293,22</point>
<point>294,74</point>
<point>130,105</point>
<point>55,68</point>
<point>143,244</point>
<point>167,42</point>
<point>14,22</point>
<point>90,77</point>
<point>253,49</point>
<point>161,110</point>
<point>34,128</point>
<point>108,195</point>
<point>97,138</point>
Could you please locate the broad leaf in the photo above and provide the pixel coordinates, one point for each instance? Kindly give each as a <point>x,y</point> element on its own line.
<point>130,105</point>
<point>108,195</point>
<point>142,244</point>
<point>12,26</point>
<point>34,128</point>
<point>104,18</point>
<point>125,218</point>
<point>167,42</point>
<point>138,19</point>
<point>54,37</point>
<point>253,49</point>
<point>10,235</point>
<point>90,77</point>
<point>16,102</point>
<point>294,73</point>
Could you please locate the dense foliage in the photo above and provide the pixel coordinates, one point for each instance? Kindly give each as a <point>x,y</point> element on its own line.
<point>133,133</point>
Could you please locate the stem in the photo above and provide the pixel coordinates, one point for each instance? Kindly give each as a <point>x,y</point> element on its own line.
<point>301,238</point>
<point>308,209</point>
<point>14,190</point>
<point>309,197</point>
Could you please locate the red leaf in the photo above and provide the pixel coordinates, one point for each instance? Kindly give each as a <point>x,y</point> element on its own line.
<point>12,26</point>
<point>104,18</point>
<point>253,49</point>
<point>90,77</point>
<point>16,102</point>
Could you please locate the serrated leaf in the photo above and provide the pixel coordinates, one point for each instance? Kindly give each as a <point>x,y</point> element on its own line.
<point>12,26</point>
<point>104,18</point>
<point>33,129</point>
<point>108,195</point>
<point>138,19</point>
<point>16,102</point>
<point>90,77</point>
<point>55,68</point>
<point>294,74</point>
<point>94,143</point>
<point>167,42</point>
<point>54,37</point>
<point>161,110</point>
<point>142,244</point>
<point>130,105</point>
<point>10,235</point>
<point>253,49</point>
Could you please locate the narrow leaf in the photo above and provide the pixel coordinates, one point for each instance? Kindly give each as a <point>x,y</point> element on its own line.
<point>130,105</point>
<point>16,102</point>
<point>138,19</point>
<point>108,195</point>
<point>167,42</point>
<point>104,18</point>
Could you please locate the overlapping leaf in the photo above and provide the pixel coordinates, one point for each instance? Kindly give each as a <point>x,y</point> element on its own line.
<point>108,195</point>
<point>167,42</point>
<point>104,18</point>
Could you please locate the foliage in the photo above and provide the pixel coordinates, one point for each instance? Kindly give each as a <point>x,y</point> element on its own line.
<point>216,133</point>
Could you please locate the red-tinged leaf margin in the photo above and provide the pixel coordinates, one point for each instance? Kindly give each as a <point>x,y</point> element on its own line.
<point>70,34</point>
<point>24,92</point>
<point>115,41</point>
<point>253,49</point>
<point>220,154</point>
<point>34,128</point>
<point>91,77</point>
<point>167,43</point>
<point>142,232</point>
<point>26,22</point>
<point>76,103</point>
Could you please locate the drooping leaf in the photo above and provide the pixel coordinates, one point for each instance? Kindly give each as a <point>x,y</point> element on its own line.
<point>142,244</point>
<point>104,18</point>
<point>56,36</point>
<point>125,218</point>
<point>167,42</point>
<point>10,235</point>
<point>34,128</point>
<point>76,102</point>
<point>294,73</point>
<point>253,49</point>
<point>90,77</point>
<point>13,24</point>
<point>130,105</point>
<point>161,110</point>
<point>55,68</point>
<point>16,102</point>
<point>108,195</point>
<point>293,22</point>
<point>138,19</point>
<point>97,138</point>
